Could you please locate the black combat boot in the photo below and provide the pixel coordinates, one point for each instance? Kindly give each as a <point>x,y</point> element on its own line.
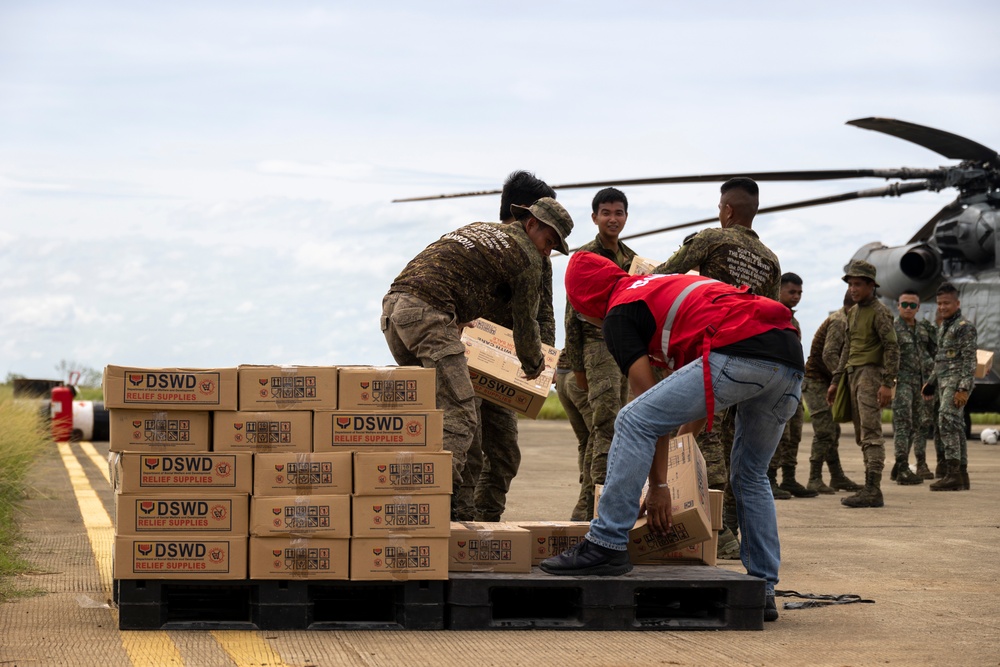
<point>789,484</point>
<point>776,491</point>
<point>963,471</point>
<point>838,480</point>
<point>870,495</point>
<point>894,471</point>
<point>923,472</point>
<point>941,469</point>
<point>816,478</point>
<point>952,480</point>
<point>905,476</point>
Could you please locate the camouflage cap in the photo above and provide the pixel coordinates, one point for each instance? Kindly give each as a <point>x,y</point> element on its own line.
<point>859,268</point>
<point>552,213</point>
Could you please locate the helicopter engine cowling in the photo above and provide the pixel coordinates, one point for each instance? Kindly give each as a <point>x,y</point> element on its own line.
<point>971,236</point>
<point>915,266</point>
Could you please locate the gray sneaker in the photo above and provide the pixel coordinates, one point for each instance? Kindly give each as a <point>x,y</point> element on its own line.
<point>587,558</point>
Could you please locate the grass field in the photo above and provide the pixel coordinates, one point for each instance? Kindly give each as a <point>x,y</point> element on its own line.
<point>22,437</point>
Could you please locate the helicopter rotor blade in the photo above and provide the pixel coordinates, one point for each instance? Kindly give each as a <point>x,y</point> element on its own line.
<point>944,143</point>
<point>891,190</point>
<point>807,175</point>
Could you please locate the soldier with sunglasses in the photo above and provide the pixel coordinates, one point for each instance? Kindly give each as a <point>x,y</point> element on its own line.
<point>917,346</point>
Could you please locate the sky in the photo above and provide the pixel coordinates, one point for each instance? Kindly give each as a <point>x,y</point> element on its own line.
<point>207,184</point>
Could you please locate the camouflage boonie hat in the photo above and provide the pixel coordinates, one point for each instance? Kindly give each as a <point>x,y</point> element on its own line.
<point>552,213</point>
<point>859,268</point>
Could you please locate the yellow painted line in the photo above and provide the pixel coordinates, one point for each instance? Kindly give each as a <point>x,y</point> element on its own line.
<point>97,460</point>
<point>143,648</point>
<point>245,648</point>
<point>248,649</point>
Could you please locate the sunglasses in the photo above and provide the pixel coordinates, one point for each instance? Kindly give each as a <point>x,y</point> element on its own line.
<point>914,306</point>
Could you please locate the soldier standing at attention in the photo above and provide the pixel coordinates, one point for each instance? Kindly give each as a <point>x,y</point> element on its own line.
<point>953,379</point>
<point>448,283</point>
<point>871,359</point>
<point>917,347</point>
<point>733,254</point>
<point>495,456</point>
<point>787,454</point>
<point>595,370</point>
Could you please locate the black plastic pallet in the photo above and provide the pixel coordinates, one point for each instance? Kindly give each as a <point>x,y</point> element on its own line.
<point>647,598</point>
<point>165,604</point>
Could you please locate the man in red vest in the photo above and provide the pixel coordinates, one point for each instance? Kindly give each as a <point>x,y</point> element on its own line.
<point>724,346</point>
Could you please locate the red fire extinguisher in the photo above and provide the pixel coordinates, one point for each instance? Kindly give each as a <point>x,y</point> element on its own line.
<point>62,414</point>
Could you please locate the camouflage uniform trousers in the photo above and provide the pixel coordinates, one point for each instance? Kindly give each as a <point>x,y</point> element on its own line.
<point>501,460</point>
<point>607,392</point>
<point>909,416</point>
<point>420,335</point>
<point>463,499</point>
<point>826,432</point>
<point>951,422</point>
<point>577,407</point>
<point>867,415</point>
<point>787,453</point>
<point>716,461</point>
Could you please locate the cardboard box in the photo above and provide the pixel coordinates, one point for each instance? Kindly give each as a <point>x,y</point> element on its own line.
<point>287,387</point>
<point>496,371</point>
<point>489,547</point>
<point>386,388</point>
<point>181,474</point>
<point>641,266</point>
<point>262,431</point>
<point>703,553</point>
<point>386,431</point>
<point>166,513</point>
<point>399,558</point>
<point>402,472</point>
<point>401,514</point>
<point>551,538</point>
<point>715,502</point>
<point>299,558</point>
<point>302,474</point>
<point>301,516</point>
<point>180,557</point>
<point>160,431</point>
<point>170,388</point>
<point>984,362</point>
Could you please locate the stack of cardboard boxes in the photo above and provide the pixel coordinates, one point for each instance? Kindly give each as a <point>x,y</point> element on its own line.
<point>190,446</point>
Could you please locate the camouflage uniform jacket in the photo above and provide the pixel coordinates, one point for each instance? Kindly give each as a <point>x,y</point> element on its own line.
<point>880,340</point>
<point>579,332</point>
<point>917,347</point>
<point>836,340</point>
<point>497,309</point>
<point>956,353</point>
<point>815,368</point>
<point>475,265</point>
<point>734,255</point>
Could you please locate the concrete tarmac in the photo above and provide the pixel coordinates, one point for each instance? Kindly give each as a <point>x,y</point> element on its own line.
<point>928,560</point>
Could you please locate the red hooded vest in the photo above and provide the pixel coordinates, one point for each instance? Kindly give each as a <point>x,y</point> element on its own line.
<point>693,314</point>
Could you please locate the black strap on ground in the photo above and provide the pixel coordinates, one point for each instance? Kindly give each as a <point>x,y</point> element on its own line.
<point>820,600</point>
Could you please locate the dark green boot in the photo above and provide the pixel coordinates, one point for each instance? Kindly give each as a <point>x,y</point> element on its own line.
<point>870,495</point>
<point>923,472</point>
<point>816,478</point>
<point>838,480</point>
<point>789,484</point>
<point>963,471</point>
<point>905,476</point>
<point>952,480</point>
<point>776,491</point>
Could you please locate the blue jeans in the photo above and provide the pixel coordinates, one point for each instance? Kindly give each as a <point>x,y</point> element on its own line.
<point>765,395</point>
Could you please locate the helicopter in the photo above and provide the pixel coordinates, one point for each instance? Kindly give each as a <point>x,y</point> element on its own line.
<point>960,244</point>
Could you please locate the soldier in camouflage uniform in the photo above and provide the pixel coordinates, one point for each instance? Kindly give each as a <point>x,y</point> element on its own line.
<point>578,411</point>
<point>826,431</point>
<point>917,347</point>
<point>734,254</point>
<point>871,359</point>
<point>787,454</point>
<point>448,283</point>
<point>836,341</point>
<point>593,366</point>
<point>953,379</point>
<point>494,457</point>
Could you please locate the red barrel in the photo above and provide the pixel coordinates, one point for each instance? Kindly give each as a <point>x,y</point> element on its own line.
<point>62,414</point>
